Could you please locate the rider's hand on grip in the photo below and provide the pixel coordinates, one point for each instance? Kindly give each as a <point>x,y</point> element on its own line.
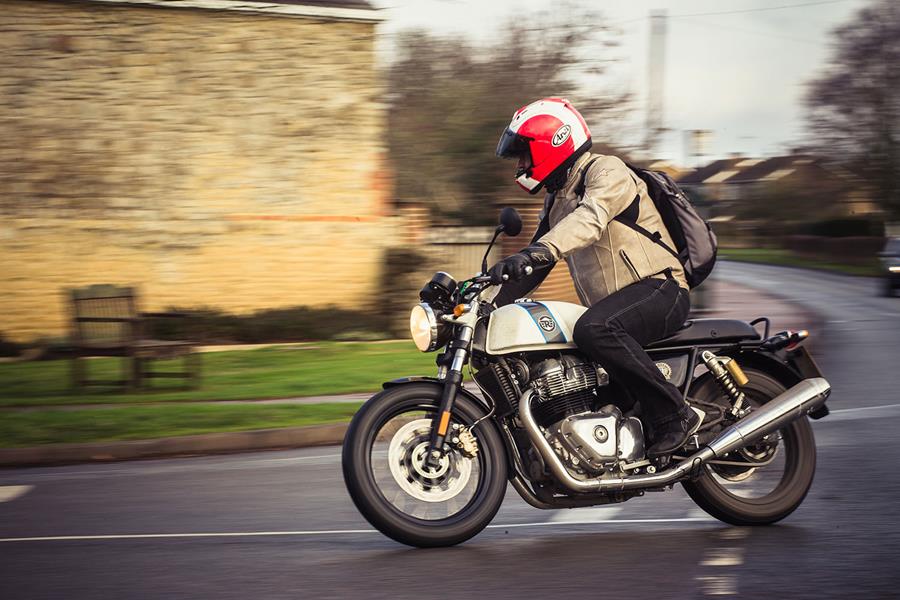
<point>521,264</point>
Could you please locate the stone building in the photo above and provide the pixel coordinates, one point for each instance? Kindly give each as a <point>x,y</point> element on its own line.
<point>212,152</point>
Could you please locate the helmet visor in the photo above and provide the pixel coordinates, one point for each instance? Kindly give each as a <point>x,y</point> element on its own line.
<point>513,145</point>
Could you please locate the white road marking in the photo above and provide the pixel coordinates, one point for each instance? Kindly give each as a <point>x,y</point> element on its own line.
<point>863,408</point>
<point>697,513</point>
<point>140,536</point>
<point>734,533</point>
<point>596,513</point>
<point>718,585</point>
<point>718,582</point>
<point>298,458</point>
<point>862,412</point>
<point>11,492</point>
<point>723,557</point>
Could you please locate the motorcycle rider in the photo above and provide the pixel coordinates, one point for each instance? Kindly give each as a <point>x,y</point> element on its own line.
<point>634,289</point>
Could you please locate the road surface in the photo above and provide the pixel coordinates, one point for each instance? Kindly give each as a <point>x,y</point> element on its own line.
<point>280,524</point>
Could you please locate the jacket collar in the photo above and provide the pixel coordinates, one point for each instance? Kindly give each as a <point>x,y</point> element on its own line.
<point>575,173</point>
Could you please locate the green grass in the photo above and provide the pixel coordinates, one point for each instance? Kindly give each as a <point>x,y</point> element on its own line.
<point>313,369</point>
<point>34,428</point>
<point>777,256</point>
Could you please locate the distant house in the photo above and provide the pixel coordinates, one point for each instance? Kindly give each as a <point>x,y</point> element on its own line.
<point>727,182</point>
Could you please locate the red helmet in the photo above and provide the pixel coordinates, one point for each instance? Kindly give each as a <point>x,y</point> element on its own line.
<point>547,137</point>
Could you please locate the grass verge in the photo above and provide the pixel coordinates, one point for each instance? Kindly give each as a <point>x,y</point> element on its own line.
<point>777,256</point>
<point>288,371</point>
<point>35,428</point>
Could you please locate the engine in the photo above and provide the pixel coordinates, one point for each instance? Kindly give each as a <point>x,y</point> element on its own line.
<point>589,439</point>
<point>564,386</point>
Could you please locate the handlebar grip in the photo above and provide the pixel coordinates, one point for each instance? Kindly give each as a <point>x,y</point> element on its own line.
<point>528,270</point>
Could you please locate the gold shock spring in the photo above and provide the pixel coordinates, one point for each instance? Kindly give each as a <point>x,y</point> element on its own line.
<point>729,377</point>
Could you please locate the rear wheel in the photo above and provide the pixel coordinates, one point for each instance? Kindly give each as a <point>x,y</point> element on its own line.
<point>398,493</point>
<point>766,481</point>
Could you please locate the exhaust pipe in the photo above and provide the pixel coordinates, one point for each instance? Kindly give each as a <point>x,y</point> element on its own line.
<point>806,396</point>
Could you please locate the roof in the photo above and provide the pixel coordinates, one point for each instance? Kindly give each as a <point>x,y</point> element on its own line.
<point>341,10</point>
<point>775,168</point>
<point>750,170</point>
<point>718,171</point>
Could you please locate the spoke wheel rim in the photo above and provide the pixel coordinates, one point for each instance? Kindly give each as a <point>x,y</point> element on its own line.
<point>392,484</point>
<point>744,483</point>
<point>406,459</point>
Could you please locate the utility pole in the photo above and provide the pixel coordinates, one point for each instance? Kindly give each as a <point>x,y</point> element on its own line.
<point>656,80</point>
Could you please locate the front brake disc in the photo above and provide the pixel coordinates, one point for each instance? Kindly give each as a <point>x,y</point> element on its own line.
<point>406,458</point>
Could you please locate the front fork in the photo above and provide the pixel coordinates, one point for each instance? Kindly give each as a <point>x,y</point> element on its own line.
<point>452,380</point>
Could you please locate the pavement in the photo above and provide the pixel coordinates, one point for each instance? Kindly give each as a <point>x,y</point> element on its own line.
<point>280,524</point>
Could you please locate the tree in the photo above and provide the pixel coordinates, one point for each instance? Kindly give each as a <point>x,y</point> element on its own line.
<point>854,105</point>
<point>449,101</point>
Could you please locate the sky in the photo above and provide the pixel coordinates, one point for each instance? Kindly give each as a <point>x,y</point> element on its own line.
<point>741,75</point>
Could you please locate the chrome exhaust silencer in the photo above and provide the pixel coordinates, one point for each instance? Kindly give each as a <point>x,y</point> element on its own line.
<point>803,398</point>
<point>796,402</point>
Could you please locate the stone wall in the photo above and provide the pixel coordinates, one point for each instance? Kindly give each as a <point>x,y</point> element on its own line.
<point>212,158</point>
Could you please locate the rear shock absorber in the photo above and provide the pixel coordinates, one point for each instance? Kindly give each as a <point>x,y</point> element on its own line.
<point>729,376</point>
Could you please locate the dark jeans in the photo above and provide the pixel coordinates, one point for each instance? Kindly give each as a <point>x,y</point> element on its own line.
<point>614,330</point>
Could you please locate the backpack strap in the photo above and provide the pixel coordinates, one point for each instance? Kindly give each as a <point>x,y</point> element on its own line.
<point>630,215</point>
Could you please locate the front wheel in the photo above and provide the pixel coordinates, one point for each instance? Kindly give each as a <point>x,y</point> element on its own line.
<point>391,485</point>
<point>762,483</point>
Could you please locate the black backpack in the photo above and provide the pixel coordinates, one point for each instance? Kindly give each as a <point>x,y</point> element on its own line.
<point>695,242</point>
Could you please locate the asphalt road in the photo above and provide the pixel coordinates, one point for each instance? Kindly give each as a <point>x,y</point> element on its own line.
<point>280,524</point>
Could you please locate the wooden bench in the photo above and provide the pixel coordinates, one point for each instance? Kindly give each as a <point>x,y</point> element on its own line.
<point>105,321</point>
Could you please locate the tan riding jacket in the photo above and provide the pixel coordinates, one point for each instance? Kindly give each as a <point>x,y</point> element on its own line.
<point>605,255</point>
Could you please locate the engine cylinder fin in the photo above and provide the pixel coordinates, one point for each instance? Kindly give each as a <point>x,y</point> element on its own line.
<point>564,387</point>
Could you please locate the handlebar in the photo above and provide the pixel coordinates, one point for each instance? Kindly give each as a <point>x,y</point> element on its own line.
<point>487,278</point>
<point>528,271</point>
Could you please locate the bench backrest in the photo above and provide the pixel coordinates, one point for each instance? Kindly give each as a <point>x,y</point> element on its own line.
<point>103,315</point>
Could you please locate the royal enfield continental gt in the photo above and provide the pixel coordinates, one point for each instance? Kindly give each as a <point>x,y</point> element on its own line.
<point>427,462</point>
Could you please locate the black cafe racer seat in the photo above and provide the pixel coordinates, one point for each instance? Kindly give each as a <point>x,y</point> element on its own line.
<point>698,331</point>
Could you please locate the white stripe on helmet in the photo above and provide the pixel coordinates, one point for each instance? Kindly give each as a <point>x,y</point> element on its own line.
<point>554,109</point>
<point>527,182</point>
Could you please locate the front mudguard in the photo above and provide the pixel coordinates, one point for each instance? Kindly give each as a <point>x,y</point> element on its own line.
<point>435,381</point>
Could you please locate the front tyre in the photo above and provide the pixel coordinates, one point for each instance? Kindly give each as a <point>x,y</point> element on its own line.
<point>757,495</point>
<point>389,482</point>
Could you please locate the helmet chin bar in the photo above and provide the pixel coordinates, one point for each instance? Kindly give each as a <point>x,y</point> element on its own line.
<point>532,186</point>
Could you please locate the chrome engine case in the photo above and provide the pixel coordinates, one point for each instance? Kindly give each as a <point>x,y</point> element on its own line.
<point>598,442</point>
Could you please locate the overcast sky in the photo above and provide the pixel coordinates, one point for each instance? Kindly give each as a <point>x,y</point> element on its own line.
<point>740,75</point>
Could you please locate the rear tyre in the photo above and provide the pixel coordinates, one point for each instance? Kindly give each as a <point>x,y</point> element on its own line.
<point>399,495</point>
<point>741,496</point>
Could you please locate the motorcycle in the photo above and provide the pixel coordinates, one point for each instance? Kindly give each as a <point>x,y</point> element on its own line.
<point>427,461</point>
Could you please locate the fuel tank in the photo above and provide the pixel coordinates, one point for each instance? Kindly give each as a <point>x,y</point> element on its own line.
<point>525,326</point>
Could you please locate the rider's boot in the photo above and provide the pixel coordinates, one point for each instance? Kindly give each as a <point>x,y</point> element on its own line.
<point>670,437</point>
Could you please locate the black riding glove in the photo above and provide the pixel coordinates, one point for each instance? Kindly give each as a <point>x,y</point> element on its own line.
<point>515,267</point>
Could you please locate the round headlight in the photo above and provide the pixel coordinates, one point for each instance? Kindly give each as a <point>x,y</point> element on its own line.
<point>423,325</point>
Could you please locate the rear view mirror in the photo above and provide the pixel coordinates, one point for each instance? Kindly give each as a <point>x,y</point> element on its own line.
<point>510,222</point>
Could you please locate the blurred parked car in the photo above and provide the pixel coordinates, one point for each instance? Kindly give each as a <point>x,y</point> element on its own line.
<point>890,258</point>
